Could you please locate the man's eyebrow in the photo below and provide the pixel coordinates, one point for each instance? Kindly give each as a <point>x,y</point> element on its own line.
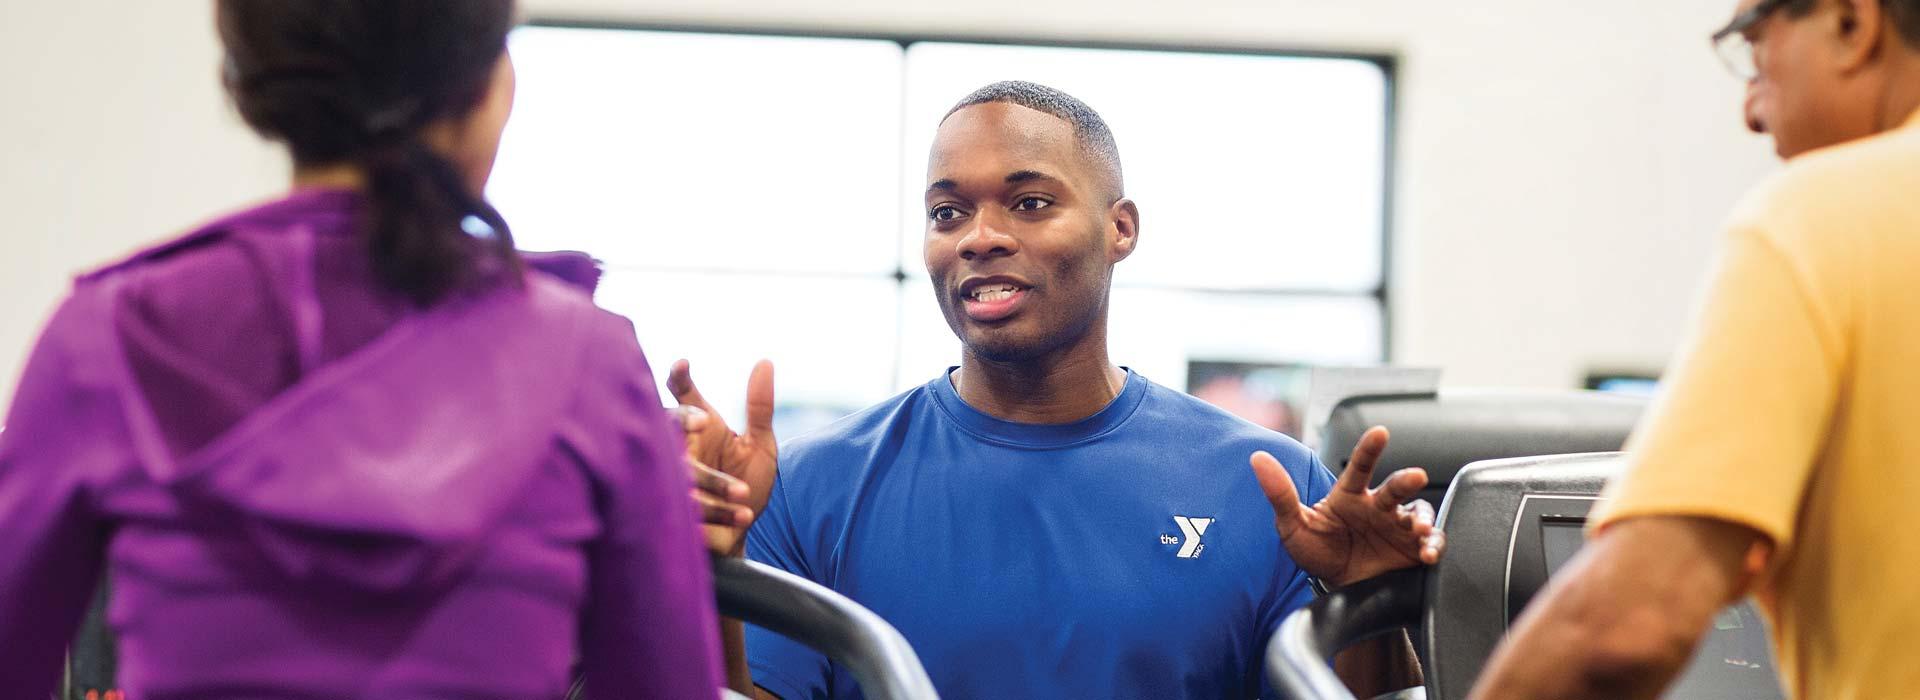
<point>1013,178</point>
<point>1019,176</point>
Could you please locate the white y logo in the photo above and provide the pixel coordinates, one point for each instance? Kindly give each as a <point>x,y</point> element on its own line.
<point>1190,531</point>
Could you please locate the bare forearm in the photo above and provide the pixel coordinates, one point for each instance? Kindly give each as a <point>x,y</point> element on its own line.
<point>733,638</point>
<point>730,543</point>
<point>1621,620</point>
<point>1561,657</point>
<point>1380,665</point>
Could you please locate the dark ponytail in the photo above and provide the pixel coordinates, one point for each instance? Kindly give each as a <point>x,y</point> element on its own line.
<point>354,81</point>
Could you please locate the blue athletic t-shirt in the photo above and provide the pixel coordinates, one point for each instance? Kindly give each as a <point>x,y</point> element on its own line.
<point>1127,555</point>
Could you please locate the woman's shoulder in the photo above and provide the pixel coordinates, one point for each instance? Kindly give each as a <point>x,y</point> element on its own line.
<point>173,250</point>
<point>328,209</point>
<point>570,268</point>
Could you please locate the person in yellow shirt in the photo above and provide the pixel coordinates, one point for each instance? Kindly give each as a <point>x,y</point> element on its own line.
<point>1779,460</point>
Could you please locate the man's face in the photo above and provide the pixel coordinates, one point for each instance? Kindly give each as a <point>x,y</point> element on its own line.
<point>1021,233</point>
<point>1802,94</point>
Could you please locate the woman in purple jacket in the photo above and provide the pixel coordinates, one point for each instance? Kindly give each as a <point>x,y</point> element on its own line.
<point>349,444</point>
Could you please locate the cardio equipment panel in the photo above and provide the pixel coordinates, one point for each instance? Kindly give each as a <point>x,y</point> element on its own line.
<point>1510,524</point>
<point>1443,432</point>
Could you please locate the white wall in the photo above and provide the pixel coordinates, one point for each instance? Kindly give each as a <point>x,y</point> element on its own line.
<point>1562,166</point>
<point>113,133</point>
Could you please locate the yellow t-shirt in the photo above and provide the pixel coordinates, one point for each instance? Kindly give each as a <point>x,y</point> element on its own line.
<point>1794,409</point>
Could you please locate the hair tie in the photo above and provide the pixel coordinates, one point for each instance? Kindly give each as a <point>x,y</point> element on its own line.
<point>392,120</point>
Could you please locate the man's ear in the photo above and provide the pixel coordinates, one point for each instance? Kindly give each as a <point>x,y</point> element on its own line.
<point>1125,217</point>
<point>1860,33</point>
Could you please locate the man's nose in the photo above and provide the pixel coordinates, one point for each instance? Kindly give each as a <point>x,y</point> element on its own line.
<point>987,238</point>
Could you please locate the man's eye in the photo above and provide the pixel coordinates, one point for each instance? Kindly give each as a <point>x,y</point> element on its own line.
<point>944,212</point>
<point>1031,204</point>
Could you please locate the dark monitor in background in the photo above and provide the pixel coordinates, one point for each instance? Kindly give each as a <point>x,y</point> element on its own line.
<point>1626,383</point>
<point>1270,395</point>
<point>1733,662</point>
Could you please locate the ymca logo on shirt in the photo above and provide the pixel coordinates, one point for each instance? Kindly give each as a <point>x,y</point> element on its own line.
<point>1191,529</point>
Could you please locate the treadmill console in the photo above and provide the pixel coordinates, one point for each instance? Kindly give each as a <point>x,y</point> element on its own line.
<point>1734,660</point>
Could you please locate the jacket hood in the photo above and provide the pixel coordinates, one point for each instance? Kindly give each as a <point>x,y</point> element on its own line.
<point>386,468</point>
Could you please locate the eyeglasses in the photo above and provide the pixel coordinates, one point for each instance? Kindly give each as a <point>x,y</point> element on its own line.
<point>1734,43</point>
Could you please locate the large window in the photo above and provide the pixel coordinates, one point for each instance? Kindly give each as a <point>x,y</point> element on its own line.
<point>759,196</point>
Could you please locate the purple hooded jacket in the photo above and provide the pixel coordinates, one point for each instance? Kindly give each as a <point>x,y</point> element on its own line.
<point>301,487</point>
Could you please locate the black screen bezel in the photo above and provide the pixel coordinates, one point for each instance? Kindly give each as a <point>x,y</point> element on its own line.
<point>1526,560</point>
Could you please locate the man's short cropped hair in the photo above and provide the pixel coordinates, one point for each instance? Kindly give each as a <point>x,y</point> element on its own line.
<point>1094,136</point>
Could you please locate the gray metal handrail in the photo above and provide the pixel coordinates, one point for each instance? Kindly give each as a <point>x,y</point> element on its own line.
<point>1300,654</point>
<point>806,612</point>
<point>1295,666</point>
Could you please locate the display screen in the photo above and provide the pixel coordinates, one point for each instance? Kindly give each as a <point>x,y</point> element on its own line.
<point>1733,662</point>
<point>1559,541</point>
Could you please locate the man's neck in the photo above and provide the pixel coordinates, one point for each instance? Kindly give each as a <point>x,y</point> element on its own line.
<point>1902,96</point>
<point>1060,387</point>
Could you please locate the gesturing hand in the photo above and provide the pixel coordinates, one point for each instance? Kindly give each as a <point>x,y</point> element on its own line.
<point>751,459</point>
<point>1355,532</point>
<point>722,498</point>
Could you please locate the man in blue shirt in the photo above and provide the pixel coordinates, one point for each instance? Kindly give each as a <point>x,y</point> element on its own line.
<point>1039,522</point>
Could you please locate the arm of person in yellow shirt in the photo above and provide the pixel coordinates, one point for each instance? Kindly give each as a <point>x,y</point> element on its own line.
<point>1621,620</point>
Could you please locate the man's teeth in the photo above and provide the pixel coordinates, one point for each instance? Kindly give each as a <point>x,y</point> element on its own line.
<point>994,293</point>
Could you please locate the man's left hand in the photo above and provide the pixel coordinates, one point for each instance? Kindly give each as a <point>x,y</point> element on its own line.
<point>1356,532</point>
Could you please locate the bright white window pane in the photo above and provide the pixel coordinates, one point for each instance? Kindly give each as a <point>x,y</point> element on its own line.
<point>927,345</point>
<point>1251,172</point>
<point>704,151</point>
<point>722,324</point>
<point>1159,332</point>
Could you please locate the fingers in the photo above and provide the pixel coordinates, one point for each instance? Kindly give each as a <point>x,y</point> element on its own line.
<point>718,484</point>
<point>713,511</point>
<point>1402,486</point>
<point>690,418</point>
<point>1422,512</point>
<point>1288,513</point>
<point>703,448</point>
<point>680,382</point>
<point>1417,518</point>
<point>1432,546</point>
<point>760,401</point>
<point>719,497</point>
<point>1366,453</point>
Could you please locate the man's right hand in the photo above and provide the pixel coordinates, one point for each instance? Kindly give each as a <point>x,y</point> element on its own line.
<point>751,458</point>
